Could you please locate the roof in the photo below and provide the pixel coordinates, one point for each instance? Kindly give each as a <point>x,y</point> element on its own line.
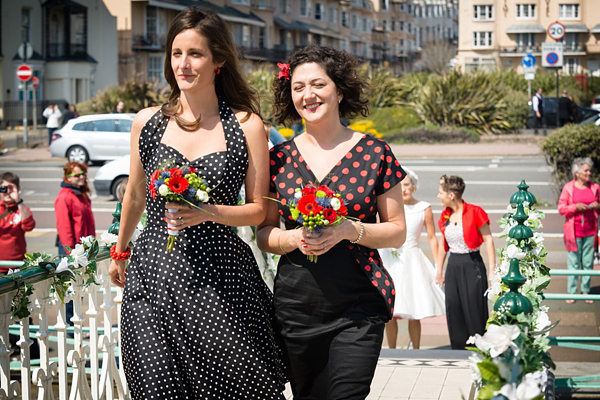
<point>526,28</point>
<point>226,12</point>
<point>304,27</point>
<point>64,3</point>
<point>576,28</point>
<point>596,29</point>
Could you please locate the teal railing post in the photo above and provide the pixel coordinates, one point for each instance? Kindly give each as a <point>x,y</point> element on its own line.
<point>115,226</point>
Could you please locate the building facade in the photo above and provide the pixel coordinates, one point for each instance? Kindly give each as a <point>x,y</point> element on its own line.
<point>379,31</point>
<point>435,21</point>
<point>498,33</point>
<point>74,48</point>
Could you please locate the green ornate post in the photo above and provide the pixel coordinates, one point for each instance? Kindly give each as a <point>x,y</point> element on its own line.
<point>513,301</point>
<point>114,228</point>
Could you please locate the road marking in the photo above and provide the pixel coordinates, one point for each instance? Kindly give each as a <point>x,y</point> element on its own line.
<point>493,166</point>
<point>441,168</point>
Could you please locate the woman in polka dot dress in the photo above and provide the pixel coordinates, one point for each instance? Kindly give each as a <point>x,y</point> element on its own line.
<point>331,313</point>
<point>197,322</point>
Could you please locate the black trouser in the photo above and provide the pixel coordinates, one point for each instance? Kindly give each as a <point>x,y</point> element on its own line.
<point>539,123</point>
<point>466,304</point>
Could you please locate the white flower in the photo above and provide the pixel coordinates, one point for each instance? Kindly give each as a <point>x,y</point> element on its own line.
<point>503,368</point>
<point>504,266</point>
<point>78,254</point>
<point>509,209</point>
<point>87,240</point>
<point>335,203</point>
<point>494,290</point>
<point>475,359</point>
<point>12,271</point>
<point>497,339</point>
<point>298,194</point>
<point>202,196</point>
<point>163,190</point>
<point>542,320</point>
<point>108,239</point>
<point>513,251</point>
<point>529,388</point>
<point>63,266</point>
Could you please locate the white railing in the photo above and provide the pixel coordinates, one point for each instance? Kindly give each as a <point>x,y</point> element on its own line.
<point>85,367</point>
<point>96,315</point>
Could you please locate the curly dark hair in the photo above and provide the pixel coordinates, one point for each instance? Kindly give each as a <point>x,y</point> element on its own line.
<point>340,66</point>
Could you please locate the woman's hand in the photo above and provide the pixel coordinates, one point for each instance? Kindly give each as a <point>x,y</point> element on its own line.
<point>318,244</point>
<point>117,272</point>
<point>594,206</point>
<point>581,207</point>
<point>439,278</point>
<point>186,216</point>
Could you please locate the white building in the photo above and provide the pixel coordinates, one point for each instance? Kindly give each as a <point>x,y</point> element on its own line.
<point>74,43</point>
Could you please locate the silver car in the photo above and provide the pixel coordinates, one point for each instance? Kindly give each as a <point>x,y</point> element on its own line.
<point>98,137</point>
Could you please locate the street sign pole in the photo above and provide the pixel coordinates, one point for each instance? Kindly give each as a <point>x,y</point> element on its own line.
<point>25,135</point>
<point>557,98</point>
<point>33,90</point>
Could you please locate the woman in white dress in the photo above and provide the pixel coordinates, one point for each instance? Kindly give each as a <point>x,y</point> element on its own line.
<point>417,294</point>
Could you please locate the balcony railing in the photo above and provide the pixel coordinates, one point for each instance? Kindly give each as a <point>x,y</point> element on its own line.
<point>272,55</point>
<point>574,47</point>
<point>520,49</point>
<point>263,4</point>
<point>149,42</point>
<point>66,50</point>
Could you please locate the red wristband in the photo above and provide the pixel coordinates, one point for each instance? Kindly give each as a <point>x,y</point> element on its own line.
<point>115,255</point>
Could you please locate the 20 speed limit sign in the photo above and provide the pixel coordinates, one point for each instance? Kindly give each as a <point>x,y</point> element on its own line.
<point>556,31</point>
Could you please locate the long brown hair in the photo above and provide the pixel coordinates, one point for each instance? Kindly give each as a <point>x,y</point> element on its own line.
<point>68,169</point>
<point>230,83</point>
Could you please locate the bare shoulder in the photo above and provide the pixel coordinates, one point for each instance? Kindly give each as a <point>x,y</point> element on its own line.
<point>145,114</point>
<point>250,123</point>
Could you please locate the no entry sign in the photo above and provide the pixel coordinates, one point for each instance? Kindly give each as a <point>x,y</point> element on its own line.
<point>24,73</point>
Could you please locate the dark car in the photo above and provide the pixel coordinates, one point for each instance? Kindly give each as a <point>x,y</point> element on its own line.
<point>549,118</point>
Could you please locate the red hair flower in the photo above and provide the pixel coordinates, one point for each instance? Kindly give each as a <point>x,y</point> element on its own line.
<point>284,71</point>
<point>307,204</point>
<point>178,184</point>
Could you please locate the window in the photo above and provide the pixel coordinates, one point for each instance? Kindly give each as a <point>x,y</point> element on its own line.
<point>483,13</point>
<point>384,25</point>
<point>365,25</point>
<point>410,9</point>
<point>525,40</point>
<point>401,26</point>
<point>156,67</point>
<point>285,6</point>
<point>123,125</point>
<point>355,21</point>
<point>525,11</point>
<point>393,27</point>
<point>319,12</point>
<point>571,66</point>
<point>241,2</point>
<point>26,24</point>
<point>102,125</point>
<point>303,8</point>
<point>385,5</point>
<point>482,39</point>
<point>401,6</point>
<point>409,27</point>
<point>332,15</point>
<point>568,11</point>
<point>80,126</point>
<point>571,41</point>
<point>344,18</point>
<point>241,34</point>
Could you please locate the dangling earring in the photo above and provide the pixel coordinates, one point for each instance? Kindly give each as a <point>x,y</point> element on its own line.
<point>218,70</point>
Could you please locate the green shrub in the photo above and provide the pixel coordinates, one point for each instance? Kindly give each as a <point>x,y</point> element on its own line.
<point>261,79</point>
<point>135,94</point>
<point>517,108</point>
<point>429,134</point>
<point>392,119</point>
<point>563,145</point>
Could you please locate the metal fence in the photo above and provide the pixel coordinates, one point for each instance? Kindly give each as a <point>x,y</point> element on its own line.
<point>12,112</point>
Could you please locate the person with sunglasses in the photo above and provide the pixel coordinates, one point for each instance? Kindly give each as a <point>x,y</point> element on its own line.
<point>74,217</point>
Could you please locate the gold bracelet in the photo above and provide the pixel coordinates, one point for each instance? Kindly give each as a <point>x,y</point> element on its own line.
<point>279,243</point>
<point>360,235</point>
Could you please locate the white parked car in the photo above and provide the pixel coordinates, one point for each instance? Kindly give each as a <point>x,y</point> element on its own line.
<point>596,103</point>
<point>98,137</point>
<point>110,176</point>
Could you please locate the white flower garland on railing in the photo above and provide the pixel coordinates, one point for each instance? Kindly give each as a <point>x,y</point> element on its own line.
<point>511,359</point>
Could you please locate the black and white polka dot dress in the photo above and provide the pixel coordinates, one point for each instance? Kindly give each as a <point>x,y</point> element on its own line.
<point>197,322</point>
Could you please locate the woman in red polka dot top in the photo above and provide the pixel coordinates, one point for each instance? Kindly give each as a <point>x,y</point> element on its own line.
<point>331,314</point>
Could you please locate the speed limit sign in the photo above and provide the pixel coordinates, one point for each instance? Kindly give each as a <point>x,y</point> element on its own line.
<point>556,31</point>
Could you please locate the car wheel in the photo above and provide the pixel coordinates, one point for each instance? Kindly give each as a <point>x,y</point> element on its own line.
<point>78,154</point>
<point>114,189</point>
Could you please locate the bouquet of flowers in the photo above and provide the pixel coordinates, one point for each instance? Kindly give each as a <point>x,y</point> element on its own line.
<point>183,185</point>
<point>316,207</point>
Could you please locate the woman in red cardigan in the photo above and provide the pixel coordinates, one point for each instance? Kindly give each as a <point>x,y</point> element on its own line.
<point>73,207</point>
<point>579,203</point>
<point>465,227</point>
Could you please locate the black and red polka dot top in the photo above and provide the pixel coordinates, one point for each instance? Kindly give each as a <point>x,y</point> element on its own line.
<point>368,170</point>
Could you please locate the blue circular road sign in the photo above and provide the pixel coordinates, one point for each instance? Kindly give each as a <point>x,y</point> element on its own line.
<point>528,60</point>
<point>552,58</point>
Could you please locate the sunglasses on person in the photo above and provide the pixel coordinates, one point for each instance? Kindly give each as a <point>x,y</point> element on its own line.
<point>77,174</point>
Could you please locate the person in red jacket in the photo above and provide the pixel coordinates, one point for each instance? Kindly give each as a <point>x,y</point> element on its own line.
<point>15,219</point>
<point>73,208</point>
<point>465,227</point>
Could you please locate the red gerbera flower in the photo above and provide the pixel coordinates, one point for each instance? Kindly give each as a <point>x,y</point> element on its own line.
<point>343,211</point>
<point>178,184</point>
<point>309,190</point>
<point>330,215</point>
<point>152,190</point>
<point>307,203</point>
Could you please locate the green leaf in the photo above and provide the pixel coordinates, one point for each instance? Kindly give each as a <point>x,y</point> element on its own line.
<point>487,392</point>
<point>489,371</point>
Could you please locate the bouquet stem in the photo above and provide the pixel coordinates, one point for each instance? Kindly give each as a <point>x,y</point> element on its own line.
<point>171,243</point>
<point>312,257</point>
